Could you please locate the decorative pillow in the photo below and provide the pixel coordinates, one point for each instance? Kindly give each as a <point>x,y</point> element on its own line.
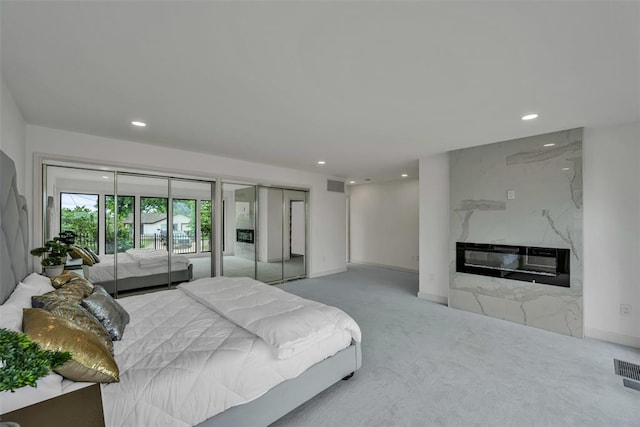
<point>21,295</point>
<point>94,255</point>
<point>77,252</point>
<point>11,310</point>
<point>65,277</point>
<point>11,317</point>
<point>71,293</point>
<point>81,317</point>
<point>108,311</point>
<point>91,361</point>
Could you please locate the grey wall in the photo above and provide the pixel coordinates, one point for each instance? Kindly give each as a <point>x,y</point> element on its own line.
<point>547,212</point>
<point>12,134</point>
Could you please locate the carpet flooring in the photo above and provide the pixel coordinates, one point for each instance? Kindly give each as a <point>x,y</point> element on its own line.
<point>425,364</point>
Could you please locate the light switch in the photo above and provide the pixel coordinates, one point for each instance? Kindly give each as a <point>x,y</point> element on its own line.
<point>511,194</point>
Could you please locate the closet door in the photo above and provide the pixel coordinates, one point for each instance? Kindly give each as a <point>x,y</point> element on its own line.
<point>149,220</point>
<point>270,240</point>
<point>74,200</point>
<point>295,234</point>
<point>239,227</point>
<point>191,237</point>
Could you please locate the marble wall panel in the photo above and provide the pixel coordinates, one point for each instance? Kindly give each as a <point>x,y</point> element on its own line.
<point>546,212</point>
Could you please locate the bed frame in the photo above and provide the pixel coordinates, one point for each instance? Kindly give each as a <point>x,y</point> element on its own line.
<point>14,263</point>
<point>152,280</point>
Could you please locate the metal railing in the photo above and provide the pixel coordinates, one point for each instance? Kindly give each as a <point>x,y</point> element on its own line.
<point>87,240</point>
<point>183,242</point>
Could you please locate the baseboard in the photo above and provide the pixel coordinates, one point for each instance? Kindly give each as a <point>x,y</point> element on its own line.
<point>434,298</point>
<point>327,272</point>
<point>613,337</point>
<point>390,267</point>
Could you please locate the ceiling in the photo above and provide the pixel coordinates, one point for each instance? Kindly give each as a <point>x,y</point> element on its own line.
<point>368,87</point>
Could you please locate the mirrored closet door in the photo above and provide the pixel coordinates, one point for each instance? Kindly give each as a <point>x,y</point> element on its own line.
<point>295,234</point>
<point>264,232</point>
<point>238,228</point>
<point>270,241</point>
<point>148,232</point>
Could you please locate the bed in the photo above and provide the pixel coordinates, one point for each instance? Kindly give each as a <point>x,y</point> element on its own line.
<point>210,353</point>
<point>139,268</point>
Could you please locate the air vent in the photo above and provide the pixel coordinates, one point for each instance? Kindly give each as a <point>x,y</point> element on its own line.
<point>627,369</point>
<point>335,186</point>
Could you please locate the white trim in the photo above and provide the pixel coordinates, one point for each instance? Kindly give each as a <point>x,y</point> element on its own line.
<point>434,298</point>
<point>326,273</point>
<point>613,337</point>
<point>390,267</point>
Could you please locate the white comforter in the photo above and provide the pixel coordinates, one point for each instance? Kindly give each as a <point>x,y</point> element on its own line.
<point>288,323</point>
<point>181,363</point>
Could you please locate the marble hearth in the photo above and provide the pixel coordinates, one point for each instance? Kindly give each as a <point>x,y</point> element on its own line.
<point>524,192</point>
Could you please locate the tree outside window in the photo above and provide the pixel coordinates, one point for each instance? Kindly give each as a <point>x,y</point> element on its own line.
<point>79,213</point>
<point>124,225</point>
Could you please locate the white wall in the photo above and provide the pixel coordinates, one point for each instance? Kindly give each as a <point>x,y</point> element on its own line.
<point>327,221</point>
<point>384,223</point>
<point>434,228</point>
<point>612,232</point>
<point>12,134</point>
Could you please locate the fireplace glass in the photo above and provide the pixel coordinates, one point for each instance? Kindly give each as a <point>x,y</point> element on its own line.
<point>525,263</point>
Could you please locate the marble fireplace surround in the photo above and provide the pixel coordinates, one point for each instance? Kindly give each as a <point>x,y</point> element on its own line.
<point>546,212</point>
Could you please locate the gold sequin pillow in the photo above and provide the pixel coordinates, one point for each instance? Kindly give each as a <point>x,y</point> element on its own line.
<point>70,293</point>
<point>64,278</point>
<point>77,252</point>
<point>91,361</point>
<point>81,317</point>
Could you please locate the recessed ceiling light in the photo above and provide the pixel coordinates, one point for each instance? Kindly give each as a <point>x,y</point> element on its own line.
<point>551,144</point>
<point>352,182</point>
<point>322,162</point>
<point>139,124</point>
<point>105,177</point>
<point>530,116</point>
<point>404,175</point>
<point>565,169</point>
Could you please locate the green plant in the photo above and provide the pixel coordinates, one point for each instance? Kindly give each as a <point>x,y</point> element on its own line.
<point>22,361</point>
<point>55,251</point>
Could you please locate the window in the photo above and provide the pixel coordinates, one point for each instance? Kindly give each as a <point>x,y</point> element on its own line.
<point>79,213</point>
<point>184,226</point>
<point>125,224</point>
<point>205,226</point>
<point>153,222</point>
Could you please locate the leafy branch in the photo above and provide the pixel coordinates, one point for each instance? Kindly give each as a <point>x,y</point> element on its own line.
<point>22,362</point>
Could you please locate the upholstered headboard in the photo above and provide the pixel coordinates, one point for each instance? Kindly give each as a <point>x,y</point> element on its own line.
<point>14,230</point>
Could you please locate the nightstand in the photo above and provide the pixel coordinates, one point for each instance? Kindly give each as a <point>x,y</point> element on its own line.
<point>78,408</point>
<point>73,264</point>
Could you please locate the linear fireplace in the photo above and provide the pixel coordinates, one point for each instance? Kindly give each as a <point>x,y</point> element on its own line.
<point>529,264</point>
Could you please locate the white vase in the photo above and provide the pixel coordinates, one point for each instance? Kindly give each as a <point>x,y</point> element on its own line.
<point>53,270</point>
